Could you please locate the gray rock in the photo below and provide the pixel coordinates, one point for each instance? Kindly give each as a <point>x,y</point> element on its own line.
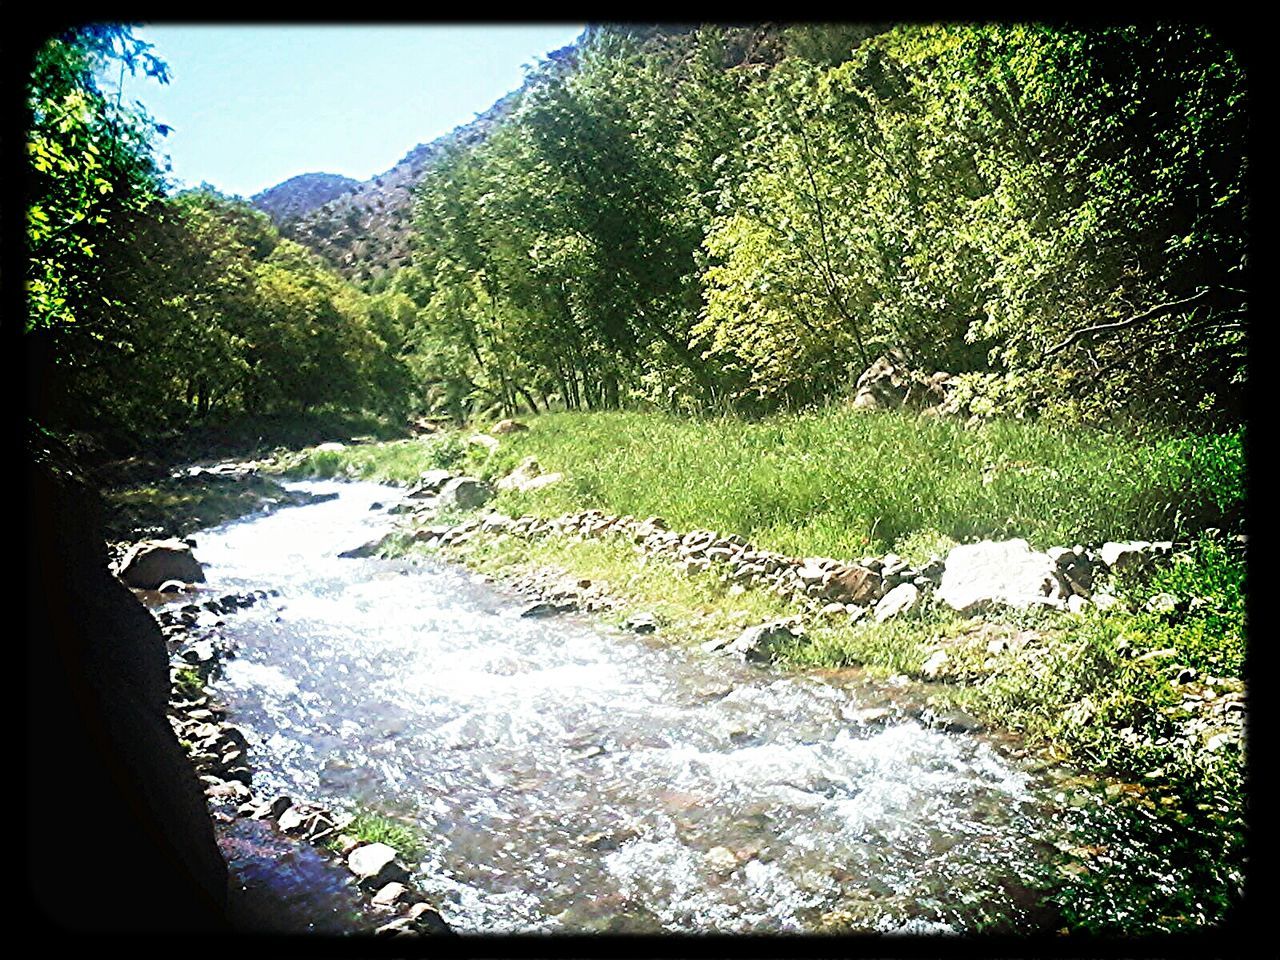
<point>1008,572</point>
<point>429,483</point>
<point>541,608</point>
<point>365,549</point>
<point>465,493</point>
<point>150,563</point>
<point>758,643</point>
<point>899,600</point>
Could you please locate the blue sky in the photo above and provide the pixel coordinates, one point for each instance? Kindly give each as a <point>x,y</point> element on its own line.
<point>251,106</point>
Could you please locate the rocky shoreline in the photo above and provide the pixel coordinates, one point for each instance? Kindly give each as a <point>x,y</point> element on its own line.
<point>220,755</point>
<point>972,579</point>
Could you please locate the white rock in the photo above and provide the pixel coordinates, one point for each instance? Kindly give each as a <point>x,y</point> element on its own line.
<point>369,860</point>
<point>1008,572</point>
<point>904,597</point>
<point>1126,557</point>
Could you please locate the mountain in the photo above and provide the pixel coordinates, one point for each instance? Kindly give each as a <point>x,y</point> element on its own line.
<point>365,231</point>
<point>300,195</point>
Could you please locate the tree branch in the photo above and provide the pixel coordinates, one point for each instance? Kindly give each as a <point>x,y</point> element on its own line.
<point>1158,310</point>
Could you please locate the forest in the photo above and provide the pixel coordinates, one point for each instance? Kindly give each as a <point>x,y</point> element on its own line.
<point>718,219</point>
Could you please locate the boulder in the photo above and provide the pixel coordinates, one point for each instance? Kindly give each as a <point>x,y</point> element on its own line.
<point>365,549</point>
<point>333,446</point>
<point>150,563</point>
<point>642,622</point>
<point>1132,556</point>
<point>528,476</point>
<point>484,440</point>
<point>853,584</point>
<point>1008,572</point>
<point>465,493</point>
<point>890,383</point>
<point>429,483</point>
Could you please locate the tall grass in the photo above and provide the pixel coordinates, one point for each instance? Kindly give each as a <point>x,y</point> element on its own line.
<point>840,482</point>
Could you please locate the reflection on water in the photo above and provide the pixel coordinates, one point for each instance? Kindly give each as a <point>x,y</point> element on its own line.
<point>574,779</point>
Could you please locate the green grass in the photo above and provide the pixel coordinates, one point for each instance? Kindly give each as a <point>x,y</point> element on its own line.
<point>398,461</point>
<point>372,827</point>
<point>843,483</point>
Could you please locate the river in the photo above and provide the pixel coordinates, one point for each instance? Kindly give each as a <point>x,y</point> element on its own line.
<point>569,777</point>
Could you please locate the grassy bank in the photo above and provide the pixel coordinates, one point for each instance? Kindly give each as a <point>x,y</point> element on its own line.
<point>1129,694</point>
<point>841,483</point>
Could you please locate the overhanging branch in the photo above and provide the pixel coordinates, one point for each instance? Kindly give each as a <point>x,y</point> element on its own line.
<point>1158,310</point>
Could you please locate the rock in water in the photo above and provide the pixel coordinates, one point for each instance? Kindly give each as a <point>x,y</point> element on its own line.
<point>150,563</point>
<point>757,643</point>
<point>1009,572</point>
<point>375,865</point>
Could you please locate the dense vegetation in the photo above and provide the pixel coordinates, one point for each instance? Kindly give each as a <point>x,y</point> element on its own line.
<point>1057,215</point>
<point>149,311</point>
<point>728,218</point>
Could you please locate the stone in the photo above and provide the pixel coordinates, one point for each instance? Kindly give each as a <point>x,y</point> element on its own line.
<point>508,426</point>
<point>757,643</point>
<point>933,666</point>
<point>1077,604</point>
<point>853,584</point>
<point>292,819</point>
<point>484,440</point>
<point>152,562</point>
<point>540,608</point>
<point>642,622</point>
<point>375,865</point>
<point>722,859</point>
<point>429,483</point>
<point>1129,557</point>
<point>390,893</point>
<point>333,446</point>
<point>528,469</point>
<point>465,493</point>
<point>1009,572</point>
<point>174,586</point>
<point>365,549</point>
<point>889,383</point>
<point>899,600</point>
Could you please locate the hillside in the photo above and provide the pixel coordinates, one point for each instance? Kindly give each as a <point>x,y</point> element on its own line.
<point>365,232</point>
<point>300,195</point>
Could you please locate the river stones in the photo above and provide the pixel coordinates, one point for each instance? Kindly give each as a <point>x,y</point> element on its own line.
<point>150,563</point>
<point>375,865</point>
<point>759,643</point>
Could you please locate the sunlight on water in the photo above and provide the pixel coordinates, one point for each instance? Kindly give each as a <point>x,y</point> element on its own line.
<point>570,778</point>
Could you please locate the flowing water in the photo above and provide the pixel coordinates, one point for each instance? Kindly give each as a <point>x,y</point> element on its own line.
<point>569,777</point>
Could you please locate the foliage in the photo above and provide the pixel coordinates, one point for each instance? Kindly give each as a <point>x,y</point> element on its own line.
<point>1058,214</point>
<point>146,311</point>
<point>842,483</point>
